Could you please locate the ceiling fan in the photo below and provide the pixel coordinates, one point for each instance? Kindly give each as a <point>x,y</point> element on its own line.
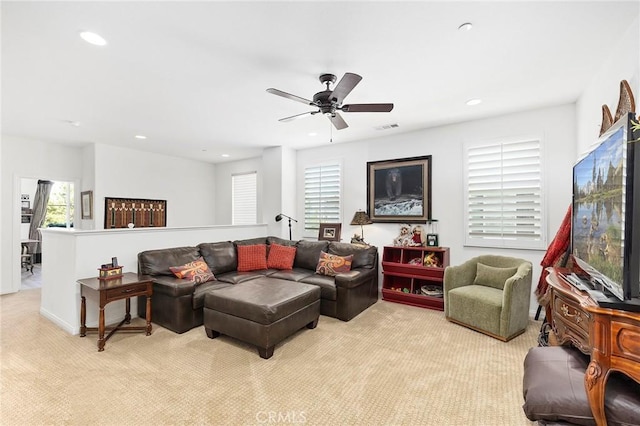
<point>329,102</point>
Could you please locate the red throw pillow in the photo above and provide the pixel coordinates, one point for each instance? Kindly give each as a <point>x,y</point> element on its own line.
<point>281,257</point>
<point>252,258</point>
<point>332,265</point>
<point>197,271</point>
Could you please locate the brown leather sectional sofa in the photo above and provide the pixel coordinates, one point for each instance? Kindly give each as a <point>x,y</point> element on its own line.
<point>178,306</point>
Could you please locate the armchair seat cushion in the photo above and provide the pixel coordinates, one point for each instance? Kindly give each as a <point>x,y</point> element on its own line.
<point>478,305</point>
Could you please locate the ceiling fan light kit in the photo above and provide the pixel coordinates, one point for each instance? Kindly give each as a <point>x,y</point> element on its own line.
<point>329,102</point>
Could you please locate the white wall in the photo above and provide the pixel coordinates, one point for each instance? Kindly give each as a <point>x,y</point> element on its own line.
<point>555,126</point>
<point>188,186</point>
<point>621,63</point>
<point>23,158</point>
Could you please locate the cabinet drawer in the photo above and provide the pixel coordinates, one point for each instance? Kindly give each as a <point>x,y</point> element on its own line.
<point>123,292</point>
<point>571,321</point>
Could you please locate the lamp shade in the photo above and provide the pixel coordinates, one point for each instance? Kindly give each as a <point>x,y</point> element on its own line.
<point>361,218</point>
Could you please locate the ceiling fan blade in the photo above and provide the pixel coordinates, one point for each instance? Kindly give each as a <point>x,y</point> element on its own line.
<point>367,108</point>
<point>295,117</point>
<point>289,96</point>
<point>345,86</point>
<point>338,121</point>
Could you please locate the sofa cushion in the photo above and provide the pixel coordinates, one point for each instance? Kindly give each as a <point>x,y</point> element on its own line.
<point>295,274</point>
<point>251,241</point>
<point>221,256</point>
<point>332,264</point>
<point>281,241</point>
<point>201,290</point>
<point>157,262</point>
<point>326,283</point>
<point>308,253</point>
<point>196,271</point>
<point>363,257</point>
<point>553,389</point>
<point>281,257</point>
<point>492,276</point>
<point>236,277</point>
<point>252,257</point>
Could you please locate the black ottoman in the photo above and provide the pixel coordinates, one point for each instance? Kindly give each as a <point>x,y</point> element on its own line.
<point>554,392</point>
<point>262,312</point>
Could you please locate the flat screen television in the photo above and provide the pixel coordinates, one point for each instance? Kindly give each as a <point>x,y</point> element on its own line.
<point>605,228</point>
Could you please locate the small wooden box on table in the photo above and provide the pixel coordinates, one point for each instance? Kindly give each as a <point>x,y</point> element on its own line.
<point>124,287</point>
<point>406,270</point>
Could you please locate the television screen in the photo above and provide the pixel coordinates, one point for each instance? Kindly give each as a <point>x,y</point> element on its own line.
<point>599,210</point>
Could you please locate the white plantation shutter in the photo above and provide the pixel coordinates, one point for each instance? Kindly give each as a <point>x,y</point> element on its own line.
<point>321,196</point>
<point>504,195</point>
<point>244,196</point>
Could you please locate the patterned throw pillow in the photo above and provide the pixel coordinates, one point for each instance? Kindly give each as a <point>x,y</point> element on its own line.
<point>252,257</point>
<point>281,257</point>
<point>197,271</point>
<point>332,264</point>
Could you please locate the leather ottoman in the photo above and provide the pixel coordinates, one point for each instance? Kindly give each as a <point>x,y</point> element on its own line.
<point>261,312</point>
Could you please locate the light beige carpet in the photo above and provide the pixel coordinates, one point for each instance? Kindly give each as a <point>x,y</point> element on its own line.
<point>391,365</point>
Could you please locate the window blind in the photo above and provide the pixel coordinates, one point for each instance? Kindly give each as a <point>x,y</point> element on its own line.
<point>504,195</point>
<point>244,198</point>
<point>321,196</point>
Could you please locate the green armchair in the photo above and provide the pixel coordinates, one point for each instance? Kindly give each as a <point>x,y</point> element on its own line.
<point>489,294</point>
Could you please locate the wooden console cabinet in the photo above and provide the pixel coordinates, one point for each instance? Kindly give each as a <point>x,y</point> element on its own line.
<point>610,336</point>
<point>405,273</point>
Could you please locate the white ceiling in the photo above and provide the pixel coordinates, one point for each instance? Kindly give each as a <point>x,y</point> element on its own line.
<point>192,76</point>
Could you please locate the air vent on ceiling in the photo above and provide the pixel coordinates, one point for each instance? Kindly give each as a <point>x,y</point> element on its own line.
<point>387,126</point>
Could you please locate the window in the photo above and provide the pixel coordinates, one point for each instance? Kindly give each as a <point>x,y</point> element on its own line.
<point>321,197</point>
<point>60,208</point>
<point>244,196</point>
<point>504,195</point>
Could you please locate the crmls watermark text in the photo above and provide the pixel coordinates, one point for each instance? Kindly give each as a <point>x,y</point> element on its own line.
<point>281,417</point>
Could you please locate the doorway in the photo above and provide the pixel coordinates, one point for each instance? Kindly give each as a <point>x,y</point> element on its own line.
<point>59,212</point>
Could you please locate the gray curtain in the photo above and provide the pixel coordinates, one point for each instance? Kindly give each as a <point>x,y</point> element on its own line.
<point>40,201</point>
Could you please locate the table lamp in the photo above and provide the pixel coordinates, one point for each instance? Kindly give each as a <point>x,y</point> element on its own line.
<point>361,218</point>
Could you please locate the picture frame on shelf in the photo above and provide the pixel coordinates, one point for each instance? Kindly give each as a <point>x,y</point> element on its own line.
<point>329,232</point>
<point>86,204</point>
<point>399,191</point>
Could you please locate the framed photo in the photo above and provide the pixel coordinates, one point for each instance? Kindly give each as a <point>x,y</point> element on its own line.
<point>86,204</point>
<point>399,191</point>
<point>330,232</point>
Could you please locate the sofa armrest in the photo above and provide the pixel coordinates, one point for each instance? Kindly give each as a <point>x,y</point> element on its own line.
<point>172,286</point>
<point>356,277</point>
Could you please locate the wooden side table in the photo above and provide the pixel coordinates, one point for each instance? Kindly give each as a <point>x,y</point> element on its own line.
<point>110,290</point>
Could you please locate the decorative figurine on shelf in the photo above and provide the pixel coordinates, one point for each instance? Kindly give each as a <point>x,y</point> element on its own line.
<point>418,237</point>
<point>432,261</point>
<point>404,239</point>
<point>357,239</point>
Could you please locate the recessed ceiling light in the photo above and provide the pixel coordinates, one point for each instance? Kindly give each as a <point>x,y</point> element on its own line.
<point>140,137</point>
<point>466,26</point>
<point>313,134</point>
<point>93,38</point>
<point>225,155</point>
<point>472,102</point>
